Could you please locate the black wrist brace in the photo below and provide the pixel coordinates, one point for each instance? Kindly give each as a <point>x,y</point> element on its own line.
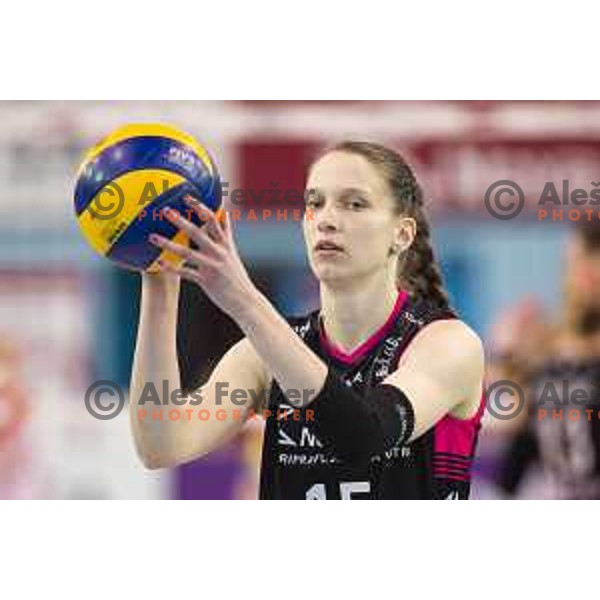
<point>360,425</point>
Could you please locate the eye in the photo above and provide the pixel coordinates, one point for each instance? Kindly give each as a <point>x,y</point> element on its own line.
<point>313,200</point>
<point>356,203</point>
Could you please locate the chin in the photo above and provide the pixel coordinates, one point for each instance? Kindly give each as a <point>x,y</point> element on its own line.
<point>330,274</point>
<point>336,277</point>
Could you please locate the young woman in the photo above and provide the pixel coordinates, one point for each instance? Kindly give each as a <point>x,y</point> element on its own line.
<point>377,395</point>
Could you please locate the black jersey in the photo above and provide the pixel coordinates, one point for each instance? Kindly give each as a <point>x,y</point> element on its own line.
<point>566,422</point>
<point>296,464</point>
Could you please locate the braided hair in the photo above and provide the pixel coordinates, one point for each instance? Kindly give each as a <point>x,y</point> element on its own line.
<point>418,271</point>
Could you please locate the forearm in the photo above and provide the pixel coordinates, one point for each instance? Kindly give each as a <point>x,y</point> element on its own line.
<point>289,360</point>
<point>356,425</point>
<point>155,361</point>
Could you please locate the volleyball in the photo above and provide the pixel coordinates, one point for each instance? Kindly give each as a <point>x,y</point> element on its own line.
<point>125,181</point>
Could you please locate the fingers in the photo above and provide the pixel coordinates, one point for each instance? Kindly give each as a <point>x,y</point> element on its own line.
<point>183,272</point>
<point>227,229</point>
<point>194,233</point>
<point>199,260</point>
<point>203,275</point>
<point>178,249</point>
<point>207,216</point>
<point>211,238</point>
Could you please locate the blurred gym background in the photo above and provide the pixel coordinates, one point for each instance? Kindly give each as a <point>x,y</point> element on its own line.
<point>68,317</point>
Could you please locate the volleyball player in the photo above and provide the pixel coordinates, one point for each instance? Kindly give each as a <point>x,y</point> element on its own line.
<point>554,362</point>
<point>389,380</point>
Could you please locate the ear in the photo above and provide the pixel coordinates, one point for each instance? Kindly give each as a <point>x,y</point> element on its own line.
<point>406,232</point>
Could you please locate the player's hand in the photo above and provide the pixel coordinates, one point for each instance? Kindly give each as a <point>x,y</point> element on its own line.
<point>215,266</point>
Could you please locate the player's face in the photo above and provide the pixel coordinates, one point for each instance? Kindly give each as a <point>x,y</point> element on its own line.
<point>350,223</point>
<point>583,278</point>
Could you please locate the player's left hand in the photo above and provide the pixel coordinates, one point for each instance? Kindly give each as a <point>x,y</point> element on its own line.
<point>215,266</point>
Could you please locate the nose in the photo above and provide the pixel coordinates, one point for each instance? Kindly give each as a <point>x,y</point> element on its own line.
<point>326,218</point>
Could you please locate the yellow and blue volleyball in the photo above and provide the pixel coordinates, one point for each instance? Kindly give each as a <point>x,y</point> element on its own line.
<point>126,180</point>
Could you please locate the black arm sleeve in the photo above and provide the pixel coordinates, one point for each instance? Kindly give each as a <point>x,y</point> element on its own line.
<point>360,425</point>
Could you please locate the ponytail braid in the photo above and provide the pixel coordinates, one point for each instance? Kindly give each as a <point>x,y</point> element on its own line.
<point>418,271</point>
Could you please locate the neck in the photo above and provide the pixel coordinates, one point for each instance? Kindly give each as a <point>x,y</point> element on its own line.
<point>351,316</point>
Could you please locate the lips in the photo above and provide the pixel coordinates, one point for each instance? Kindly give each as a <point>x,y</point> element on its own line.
<point>327,246</point>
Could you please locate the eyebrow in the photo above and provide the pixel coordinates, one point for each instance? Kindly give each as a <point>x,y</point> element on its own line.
<point>343,191</point>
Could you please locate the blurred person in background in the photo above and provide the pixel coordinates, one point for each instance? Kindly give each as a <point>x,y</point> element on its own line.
<point>394,379</point>
<point>555,448</point>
